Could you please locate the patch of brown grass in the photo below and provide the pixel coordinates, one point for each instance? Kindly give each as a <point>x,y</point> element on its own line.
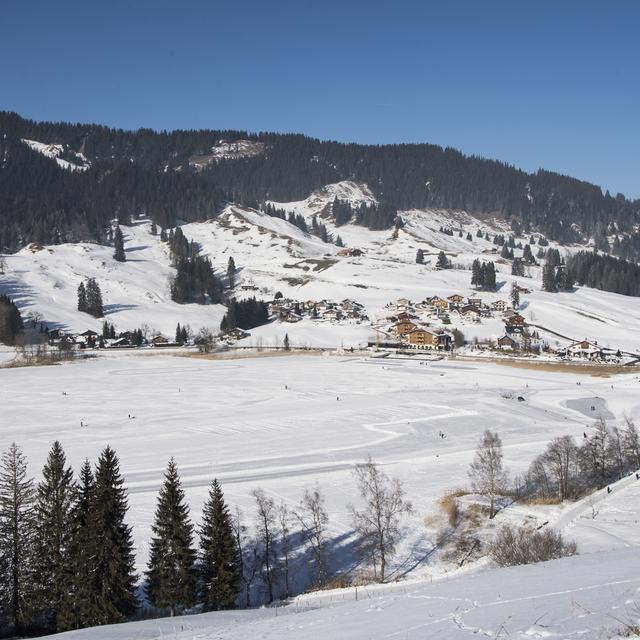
<point>594,370</point>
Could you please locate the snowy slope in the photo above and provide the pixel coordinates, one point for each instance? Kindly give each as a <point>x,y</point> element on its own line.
<point>587,597</point>
<point>273,255</point>
<point>135,292</point>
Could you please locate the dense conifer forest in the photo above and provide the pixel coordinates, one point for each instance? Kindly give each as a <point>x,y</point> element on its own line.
<point>150,173</point>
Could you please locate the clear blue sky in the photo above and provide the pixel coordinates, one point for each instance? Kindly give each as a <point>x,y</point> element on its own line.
<point>537,84</point>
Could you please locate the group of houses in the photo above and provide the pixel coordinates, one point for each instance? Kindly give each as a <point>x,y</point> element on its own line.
<point>90,339</point>
<point>288,310</point>
<point>404,328</point>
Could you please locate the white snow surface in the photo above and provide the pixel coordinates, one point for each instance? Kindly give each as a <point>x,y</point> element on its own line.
<point>586,597</point>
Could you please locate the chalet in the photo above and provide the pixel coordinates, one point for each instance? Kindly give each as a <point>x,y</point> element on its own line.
<point>476,302</point>
<point>470,311</point>
<point>404,327</point>
<point>455,300</point>
<point>507,343</point>
<point>290,316</point>
<point>584,349</point>
<point>499,305</point>
<point>159,341</point>
<point>347,252</point>
<point>404,316</point>
<point>89,334</point>
<point>421,338</point>
<point>516,319</point>
<point>439,303</point>
<point>332,314</point>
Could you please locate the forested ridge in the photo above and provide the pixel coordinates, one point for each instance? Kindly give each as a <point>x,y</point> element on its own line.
<point>147,172</point>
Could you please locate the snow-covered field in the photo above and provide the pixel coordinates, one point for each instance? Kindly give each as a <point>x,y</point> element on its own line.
<point>286,423</point>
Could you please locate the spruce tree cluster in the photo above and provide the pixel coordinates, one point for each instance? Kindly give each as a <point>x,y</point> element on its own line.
<point>605,273</point>
<point>11,325</point>
<point>90,298</point>
<point>555,274</point>
<point>483,275</point>
<point>182,334</point>
<point>244,314</point>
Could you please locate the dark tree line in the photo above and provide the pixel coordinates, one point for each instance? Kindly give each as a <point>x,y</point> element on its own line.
<point>67,552</point>
<point>605,272</point>
<point>146,172</point>
<point>195,280</point>
<point>244,314</point>
<point>11,325</point>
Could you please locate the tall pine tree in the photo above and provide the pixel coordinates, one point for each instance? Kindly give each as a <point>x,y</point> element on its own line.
<point>55,531</point>
<point>110,596</point>
<point>82,298</point>
<point>171,576</point>
<point>118,243</point>
<point>219,562</point>
<point>17,528</point>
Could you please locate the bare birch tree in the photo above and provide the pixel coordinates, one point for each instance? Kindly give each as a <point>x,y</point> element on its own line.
<point>378,522</point>
<point>285,544</point>
<point>486,472</point>
<point>266,525</point>
<point>247,554</point>
<point>313,519</point>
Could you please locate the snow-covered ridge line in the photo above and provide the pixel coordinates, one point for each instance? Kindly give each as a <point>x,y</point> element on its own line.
<point>54,151</point>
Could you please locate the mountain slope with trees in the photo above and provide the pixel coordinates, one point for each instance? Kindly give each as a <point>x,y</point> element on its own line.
<point>159,174</point>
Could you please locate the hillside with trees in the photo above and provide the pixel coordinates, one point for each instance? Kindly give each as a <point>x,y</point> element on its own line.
<point>155,174</point>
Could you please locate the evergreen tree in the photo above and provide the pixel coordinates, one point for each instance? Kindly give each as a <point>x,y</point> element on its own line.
<point>11,325</point>
<point>476,274</point>
<point>515,295</point>
<point>82,298</point>
<point>420,256</point>
<point>443,261</point>
<point>17,530</point>
<point>549,276</point>
<point>94,299</point>
<point>489,280</point>
<point>286,344</point>
<point>231,272</point>
<point>118,243</point>
<point>178,337</point>
<point>220,565</point>
<point>82,583</point>
<point>517,267</point>
<point>171,576</point>
<point>55,532</point>
<point>110,571</point>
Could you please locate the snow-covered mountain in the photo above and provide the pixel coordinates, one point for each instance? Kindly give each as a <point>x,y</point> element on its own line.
<point>274,255</point>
